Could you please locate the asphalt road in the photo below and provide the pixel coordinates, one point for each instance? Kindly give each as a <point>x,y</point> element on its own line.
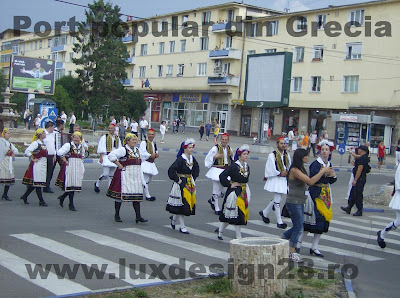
<point>54,236</point>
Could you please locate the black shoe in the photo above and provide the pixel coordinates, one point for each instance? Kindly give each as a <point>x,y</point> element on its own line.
<point>72,208</point>
<point>358,213</point>
<point>43,204</point>
<point>48,190</point>
<point>172,222</point>
<point>151,199</point>
<point>96,188</point>
<point>211,203</point>
<point>345,209</point>
<point>265,219</point>
<point>6,198</point>
<point>183,232</point>
<point>218,212</point>
<point>25,200</point>
<point>282,225</point>
<point>61,199</point>
<point>297,249</point>
<point>316,252</point>
<point>141,219</point>
<point>381,242</point>
<point>220,238</point>
<point>117,218</point>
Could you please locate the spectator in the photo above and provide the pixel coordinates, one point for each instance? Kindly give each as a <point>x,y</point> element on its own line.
<point>26,119</point>
<point>183,124</point>
<point>143,126</point>
<point>72,121</point>
<point>134,127</point>
<point>125,122</point>
<point>121,130</point>
<point>381,154</point>
<point>313,141</point>
<point>113,121</point>
<point>162,131</point>
<point>63,116</point>
<point>178,121</point>
<point>216,133</point>
<point>325,135</point>
<point>201,130</point>
<point>38,119</point>
<point>290,137</point>
<point>305,143</point>
<point>208,129</point>
<point>174,126</point>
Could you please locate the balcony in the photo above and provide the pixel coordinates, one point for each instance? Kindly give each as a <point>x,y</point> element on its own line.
<point>61,48</point>
<point>223,27</point>
<point>225,54</point>
<point>129,39</point>
<point>224,81</point>
<point>131,60</point>
<point>127,82</point>
<point>60,65</point>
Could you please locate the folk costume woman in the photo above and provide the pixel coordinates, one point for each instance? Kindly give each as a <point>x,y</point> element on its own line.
<point>7,152</point>
<point>35,175</point>
<point>235,209</point>
<point>72,169</point>
<point>318,210</point>
<point>184,171</point>
<point>128,180</point>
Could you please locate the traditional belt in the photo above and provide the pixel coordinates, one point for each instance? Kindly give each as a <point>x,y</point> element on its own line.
<point>150,160</point>
<point>221,167</point>
<point>184,175</point>
<point>241,184</point>
<point>321,185</point>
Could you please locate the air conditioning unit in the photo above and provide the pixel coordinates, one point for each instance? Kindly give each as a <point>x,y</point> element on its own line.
<point>329,113</point>
<point>276,111</point>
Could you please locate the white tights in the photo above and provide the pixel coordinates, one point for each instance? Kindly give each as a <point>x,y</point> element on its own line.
<point>392,226</point>
<point>223,226</point>
<point>315,241</point>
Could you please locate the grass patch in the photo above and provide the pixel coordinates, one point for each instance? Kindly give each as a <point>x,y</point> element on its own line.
<point>218,286</point>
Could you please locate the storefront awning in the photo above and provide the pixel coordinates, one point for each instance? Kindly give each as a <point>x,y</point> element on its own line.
<point>360,118</point>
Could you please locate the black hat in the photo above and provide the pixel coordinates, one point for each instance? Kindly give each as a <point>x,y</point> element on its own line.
<point>364,148</point>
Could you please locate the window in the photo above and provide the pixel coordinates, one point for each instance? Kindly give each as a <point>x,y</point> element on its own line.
<point>60,73</point>
<point>202,69</point>
<point>133,52</point>
<point>297,81</point>
<point>174,23</point>
<point>228,42</point>
<point>253,30</point>
<point>22,48</point>
<point>72,40</point>
<point>251,52</point>
<point>49,43</point>
<point>301,24</point>
<point>198,114</point>
<point>159,71</point>
<point>164,25</point>
<point>71,55</point>
<point>185,19</point>
<point>143,50</point>
<point>231,15</point>
<point>315,84</point>
<point>181,109</point>
<point>142,71</point>
<point>31,45</point>
<point>350,84</point>
<point>268,51</point>
<point>70,72</point>
<point>131,73</point>
<point>169,70</point>
<point>36,43</point>
<point>144,27</point>
<point>226,67</point>
<point>161,48</point>
<point>272,28</point>
<point>353,50</point>
<point>183,45</point>
<point>206,17</point>
<point>318,53</point>
<point>203,43</point>
<point>40,44</point>
<point>172,46</point>
<point>181,68</point>
<point>298,54</point>
<point>356,17</point>
<point>321,21</point>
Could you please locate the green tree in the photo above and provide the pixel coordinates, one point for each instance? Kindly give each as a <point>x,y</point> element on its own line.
<point>131,102</point>
<point>72,86</point>
<point>101,66</point>
<point>3,83</point>
<point>20,100</point>
<point>62,99</point>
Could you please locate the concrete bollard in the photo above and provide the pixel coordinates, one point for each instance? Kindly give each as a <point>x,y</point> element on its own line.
<point>259,265</point>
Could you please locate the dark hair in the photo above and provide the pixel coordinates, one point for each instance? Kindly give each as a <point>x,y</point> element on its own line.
<point>59,122</point>
<point>297,162</point>
<point>49,124</point>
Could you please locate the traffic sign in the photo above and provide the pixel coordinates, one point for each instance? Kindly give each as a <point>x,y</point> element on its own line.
<point>342,148</point>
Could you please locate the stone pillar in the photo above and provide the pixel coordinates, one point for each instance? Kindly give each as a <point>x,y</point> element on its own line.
<point>278,123</point>
<point>257,265</point>
<point>303,120</point>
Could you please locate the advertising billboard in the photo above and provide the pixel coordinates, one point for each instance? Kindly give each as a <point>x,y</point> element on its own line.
<point>32,75</point>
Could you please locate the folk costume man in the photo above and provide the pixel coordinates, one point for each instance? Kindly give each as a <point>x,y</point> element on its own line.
<point>107,143</point>
<point>217,160</point>
<point>148,153</point>
<point>276,170</point>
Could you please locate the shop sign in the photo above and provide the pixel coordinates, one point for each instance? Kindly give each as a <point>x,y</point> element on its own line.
<point>348,118</point>
<point>152,96</point>
<point>191,97</point>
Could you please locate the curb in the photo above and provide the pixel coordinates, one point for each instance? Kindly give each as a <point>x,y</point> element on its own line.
<point>349,288</point>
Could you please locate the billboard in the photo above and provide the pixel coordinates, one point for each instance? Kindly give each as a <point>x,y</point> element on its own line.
<point>268,78</point>
<point>32,75</point>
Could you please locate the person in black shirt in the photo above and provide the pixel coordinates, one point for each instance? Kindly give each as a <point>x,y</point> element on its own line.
<point>360,170</point>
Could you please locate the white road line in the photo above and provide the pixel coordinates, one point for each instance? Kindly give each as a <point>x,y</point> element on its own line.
<point>371,222</point>
<point>82,257</point>
<point>350,225</point>
<point>183,244</point>
<point>208,235</point>
<point>51,283</point>
<point>133,249</point>
<point>387,218</point>
<point>343,241</point>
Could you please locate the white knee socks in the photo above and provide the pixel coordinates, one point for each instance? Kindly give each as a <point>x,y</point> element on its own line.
<point>302,236</point>
<point>238,232</point>
<point>277,204</point>
<point>314,245</point>
<point>222,227</point>
<point>392,226</point>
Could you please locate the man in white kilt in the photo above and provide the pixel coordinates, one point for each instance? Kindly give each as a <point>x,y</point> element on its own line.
<point>276,170</point>
<point>217,160</point>
<point>107,143</point>
<point>148,153</point>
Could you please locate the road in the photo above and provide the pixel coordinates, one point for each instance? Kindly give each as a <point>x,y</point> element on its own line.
<point>54,236</point>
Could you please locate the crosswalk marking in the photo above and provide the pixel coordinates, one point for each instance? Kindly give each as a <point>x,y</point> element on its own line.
<point>51,283</point>
<point>336,251</point>
<point>133,249</point>
<point>350,225</point>
<point>80,257</point>
<point>343,241</point>
<point>370,222</point>
<point>208,251</point>
<point>203,234</point>
<point>385,218</point>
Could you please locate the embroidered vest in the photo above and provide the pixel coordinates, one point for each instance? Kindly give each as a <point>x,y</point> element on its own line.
<point>220,162</point>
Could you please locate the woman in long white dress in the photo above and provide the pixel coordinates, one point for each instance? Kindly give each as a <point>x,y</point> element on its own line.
<point>7,152</point>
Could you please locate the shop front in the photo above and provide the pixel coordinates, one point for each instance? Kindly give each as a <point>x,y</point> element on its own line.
<point>191,106</point>
<point>290,120</point>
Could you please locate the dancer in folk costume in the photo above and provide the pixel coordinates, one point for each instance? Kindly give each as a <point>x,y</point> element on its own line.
<point>184,171</point>
<point>276,170</point>
<point>72,169</point>
<point>128,180</point>
<point>7,152</point>
<point>235,209</point>
<point>107,143</point>
<point>148,153</point>
<point>217,160</point>
<point>318,208</point>
<point>35,175</point>
<point>395,205</point>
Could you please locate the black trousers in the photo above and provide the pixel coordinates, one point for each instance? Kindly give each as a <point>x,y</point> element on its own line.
<point>50,170</point>
<point>313,148</point>
<point>356,194</point>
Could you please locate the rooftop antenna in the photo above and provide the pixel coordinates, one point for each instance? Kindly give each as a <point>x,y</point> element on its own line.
<point>287,9</point>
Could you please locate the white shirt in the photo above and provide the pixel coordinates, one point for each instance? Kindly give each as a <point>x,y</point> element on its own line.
<point>209,160</point>
<point>134,126</point>
<point>50,142</point>
<point>72,119</point>
<point>114,121</point>
<point>162,129</point>
<point>125,122</point>
<point>143,124</point>
<point>37,121</point>
<point>313,138</point>
<point>64,117</point>
<point>291,135</point>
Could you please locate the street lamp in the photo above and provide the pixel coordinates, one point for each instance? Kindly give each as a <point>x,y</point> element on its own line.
<point>150,102</point>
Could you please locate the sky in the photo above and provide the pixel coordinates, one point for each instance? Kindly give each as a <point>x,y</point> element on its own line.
<point>51,11</point>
